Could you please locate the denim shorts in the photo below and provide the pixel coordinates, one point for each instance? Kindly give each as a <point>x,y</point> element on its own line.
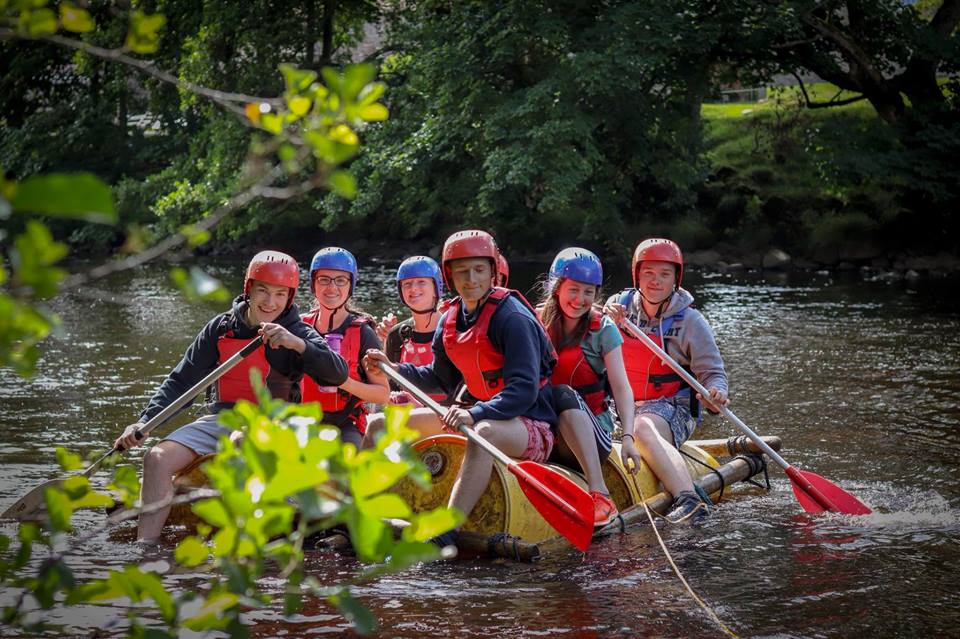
<point>675,411</point>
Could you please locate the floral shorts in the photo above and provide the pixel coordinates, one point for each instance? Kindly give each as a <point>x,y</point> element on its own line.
<point>539,440</point>
<point>674,411</point>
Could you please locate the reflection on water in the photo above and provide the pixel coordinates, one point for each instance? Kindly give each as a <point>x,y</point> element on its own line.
<point>859,379</point>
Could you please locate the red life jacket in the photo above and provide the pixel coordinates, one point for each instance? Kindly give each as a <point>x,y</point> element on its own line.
<point>235,383</point>
<point>333,399</point>
<point>472,352</point>
<point>574,369</point>
<point>649,376</point>
<point>419,355</point>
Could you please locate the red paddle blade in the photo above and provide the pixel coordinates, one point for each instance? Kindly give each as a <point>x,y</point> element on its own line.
<point>817,494</point>
<point>561,502</point>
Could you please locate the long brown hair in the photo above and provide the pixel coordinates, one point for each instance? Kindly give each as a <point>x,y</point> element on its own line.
<point>552,317</point>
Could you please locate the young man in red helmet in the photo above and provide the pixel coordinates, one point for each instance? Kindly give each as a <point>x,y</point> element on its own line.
<point>491,340</point>
<point>290,349</point>
<point>665,407</point>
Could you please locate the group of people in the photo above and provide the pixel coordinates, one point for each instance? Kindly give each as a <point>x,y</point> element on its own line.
<point>541,383</point>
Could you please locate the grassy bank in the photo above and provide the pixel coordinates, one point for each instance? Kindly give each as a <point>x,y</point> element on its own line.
<point>821,183</point>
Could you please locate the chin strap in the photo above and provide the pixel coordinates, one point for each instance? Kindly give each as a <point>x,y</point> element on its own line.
<point>333,312</point>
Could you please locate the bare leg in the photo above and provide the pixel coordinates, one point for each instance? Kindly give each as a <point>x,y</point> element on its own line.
<point>510,436</point>
<point>654,443</point>
<point>159,465</point>
<point>576,429</point>
<point>423,420</point>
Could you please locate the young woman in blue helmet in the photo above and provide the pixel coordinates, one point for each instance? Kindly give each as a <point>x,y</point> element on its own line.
<point>333,279</point>
<point>590,359</point>
<point>420,285</point>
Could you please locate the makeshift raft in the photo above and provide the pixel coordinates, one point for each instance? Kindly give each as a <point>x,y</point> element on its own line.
<point>505,524</point>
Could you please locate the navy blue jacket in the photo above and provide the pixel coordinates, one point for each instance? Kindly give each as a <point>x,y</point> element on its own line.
<point>527,358</point>
<point>286,366</point>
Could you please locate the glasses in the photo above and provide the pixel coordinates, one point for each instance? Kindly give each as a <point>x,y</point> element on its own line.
<point>340,281</point>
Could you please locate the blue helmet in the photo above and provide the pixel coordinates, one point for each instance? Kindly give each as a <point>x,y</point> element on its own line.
<point>577,264</point>
<point>338,259</point>
<point>420,266</point>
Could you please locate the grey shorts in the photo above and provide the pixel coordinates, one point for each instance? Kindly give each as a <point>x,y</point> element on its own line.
<point>200,436</point>
<point>675,411</point>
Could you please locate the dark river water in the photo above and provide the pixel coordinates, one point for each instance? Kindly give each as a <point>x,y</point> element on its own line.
<point>861,379</point>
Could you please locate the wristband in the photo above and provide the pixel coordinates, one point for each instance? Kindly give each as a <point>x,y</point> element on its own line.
<point>630,435</point>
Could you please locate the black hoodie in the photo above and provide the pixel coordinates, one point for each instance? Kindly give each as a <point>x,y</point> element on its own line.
<point>286,366</point>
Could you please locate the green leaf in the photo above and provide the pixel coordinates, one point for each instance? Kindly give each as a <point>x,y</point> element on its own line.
<point>343,184</point>
<point>213,512</point>
<point>212,611</point>
<point>195,236</point>
<point>22,327</point>
<point>75,19</point>
<point>361,618</point>
<point>370,536</point>
<point>32,259</point>
<point>81,196</point>
<point>191,552</point>
<point>38,22</point>
<point>355,78</point>
<point>127,483</point>
<point>387,505</point>
<point>75,487</point>
<point>54,576</point>
<point>371,93</point>
<point>296,80</point>
<point>59,509</point>
<point>93,499</point>
<point>68,461</point>
<point>405,554</point>
<point>299,105</point>
<point>143,36</point>
<point>197,285</point>
<point>375,477</point>
<point>425,526</point>
<point>272,123</point>
<point>373,113</point>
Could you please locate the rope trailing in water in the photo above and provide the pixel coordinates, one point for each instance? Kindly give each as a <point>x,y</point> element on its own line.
<point>663,546</point>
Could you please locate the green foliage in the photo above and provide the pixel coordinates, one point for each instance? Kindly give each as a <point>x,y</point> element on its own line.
<point>288,477</point>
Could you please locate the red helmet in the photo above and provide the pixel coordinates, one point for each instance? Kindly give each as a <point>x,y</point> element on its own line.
<point>657,249</point>
<point>273,267</point>
<point>466,244</point>
<point>503,271</point>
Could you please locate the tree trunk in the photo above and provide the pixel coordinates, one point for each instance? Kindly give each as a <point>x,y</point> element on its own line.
<point>310,36</point>
<point>327,50</point>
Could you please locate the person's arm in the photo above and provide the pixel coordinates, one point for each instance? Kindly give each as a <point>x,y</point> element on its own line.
<point>376,390</point>
<point>705,359</point>
<point>516,335</point>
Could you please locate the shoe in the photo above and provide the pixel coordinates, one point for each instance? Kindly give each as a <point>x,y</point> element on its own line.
<point>687,507</point>
<point>604,510</point>
<point>448,538</point>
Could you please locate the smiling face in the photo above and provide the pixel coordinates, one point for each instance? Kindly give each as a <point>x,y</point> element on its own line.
<point>267,301</point>
<point>472,277</point>
<point>419,293</point>
<point>656,280</point>
<point>331,287</point>
<point>575,298</point>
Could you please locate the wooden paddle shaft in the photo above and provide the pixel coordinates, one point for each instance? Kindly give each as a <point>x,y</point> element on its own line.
<point>431,403</point>
<point>698,387</point>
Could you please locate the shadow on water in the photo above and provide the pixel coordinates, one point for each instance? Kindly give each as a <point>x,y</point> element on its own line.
<point>860,379</point>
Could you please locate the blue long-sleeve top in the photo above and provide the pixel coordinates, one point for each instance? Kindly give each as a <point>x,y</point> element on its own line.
<point>286,366</point>
<point>527,359</point>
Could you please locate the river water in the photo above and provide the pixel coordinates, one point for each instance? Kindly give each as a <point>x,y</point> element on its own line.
<point>860,379</point>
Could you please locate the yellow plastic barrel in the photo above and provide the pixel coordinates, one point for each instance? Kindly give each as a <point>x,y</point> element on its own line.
<point>503,507</point>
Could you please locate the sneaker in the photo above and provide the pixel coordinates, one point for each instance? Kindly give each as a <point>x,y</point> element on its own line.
<point>604,510</point>
<point>448,538</point>
<point>687,508</point>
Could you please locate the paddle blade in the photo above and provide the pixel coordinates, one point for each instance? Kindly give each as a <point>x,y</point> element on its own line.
<point>560,501</point>
<point>817,494</point>
<point>31,506</point>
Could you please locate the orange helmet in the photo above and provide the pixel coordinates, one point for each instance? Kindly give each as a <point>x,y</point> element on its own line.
<point>273,267</point>
<point>466,244</point>
<point>657,249</point>
<point>503,271</point>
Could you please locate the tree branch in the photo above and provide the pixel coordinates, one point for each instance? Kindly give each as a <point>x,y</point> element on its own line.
<point>810,104</point>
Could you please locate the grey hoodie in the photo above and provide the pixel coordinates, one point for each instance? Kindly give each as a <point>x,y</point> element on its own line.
<point>690,340</point>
